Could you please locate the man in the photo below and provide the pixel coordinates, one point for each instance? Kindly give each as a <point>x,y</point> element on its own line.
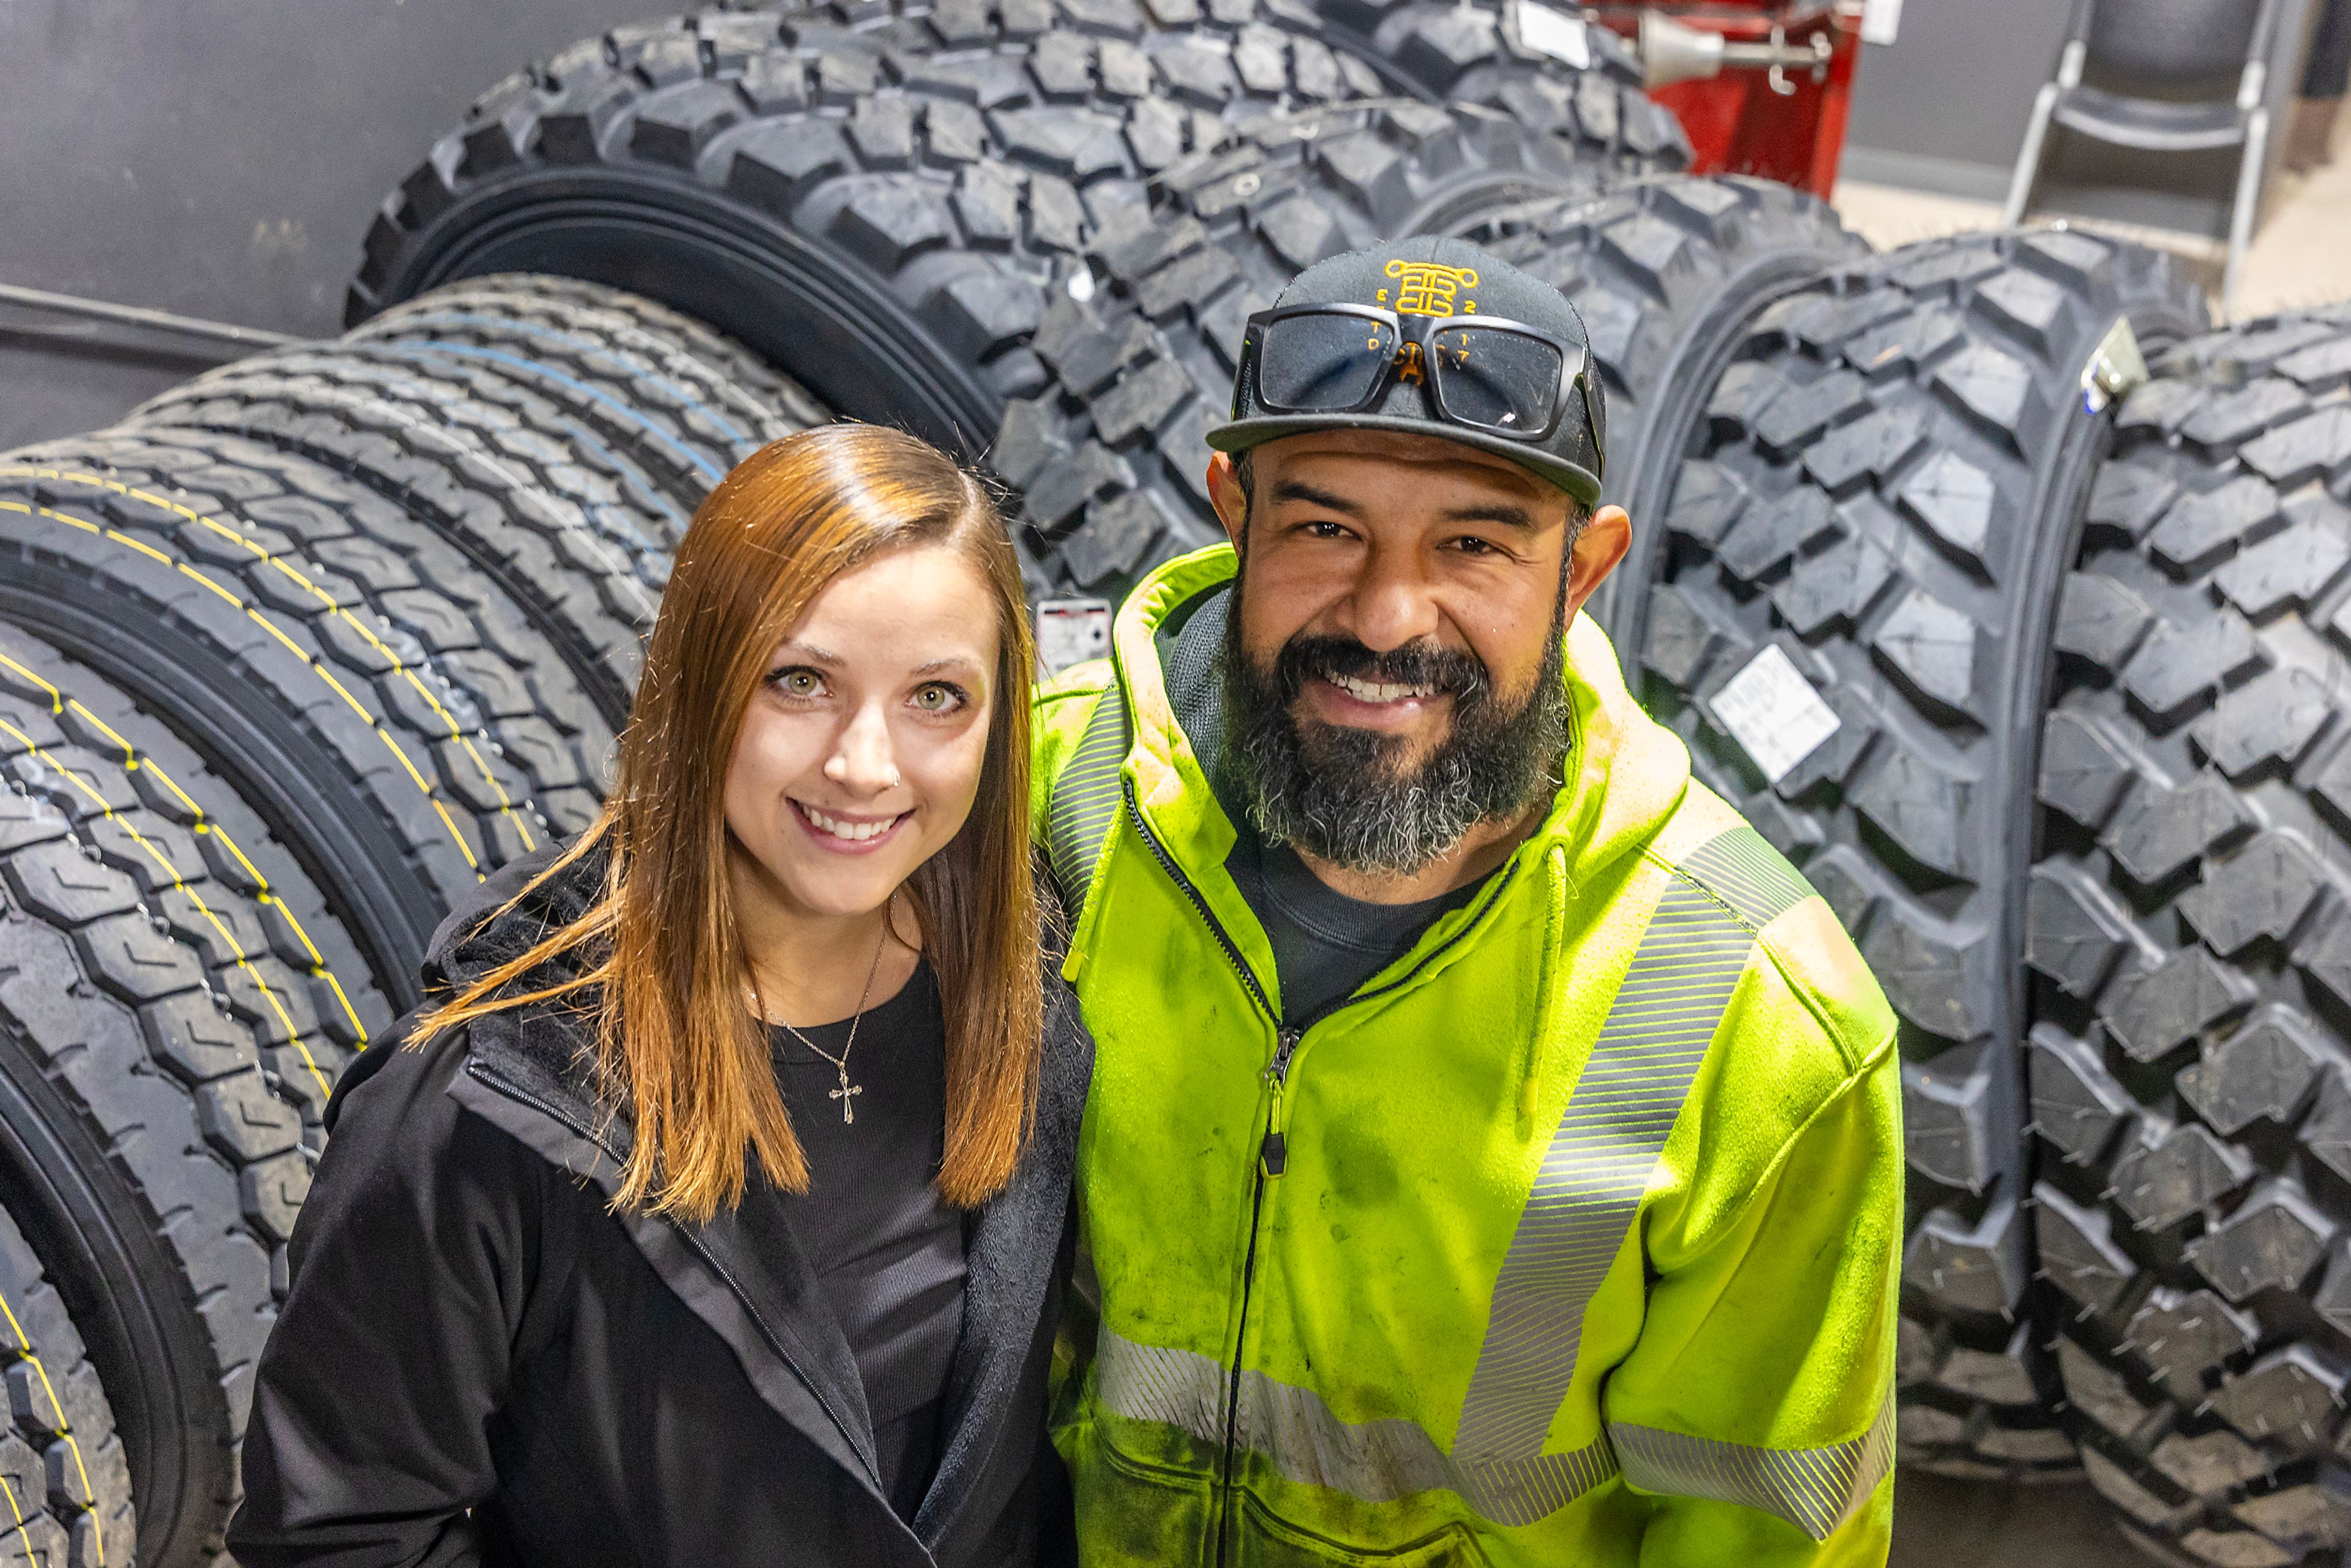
<point>1494,1150</point>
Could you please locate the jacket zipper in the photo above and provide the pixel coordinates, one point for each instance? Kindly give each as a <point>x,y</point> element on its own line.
<point>1277,1074</point>
<point>513,1091</point>
<point>1273,1149</point>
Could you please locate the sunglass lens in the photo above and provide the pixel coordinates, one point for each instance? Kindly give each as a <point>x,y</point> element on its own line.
<point>1500,380</point>
<point>1314,363</point>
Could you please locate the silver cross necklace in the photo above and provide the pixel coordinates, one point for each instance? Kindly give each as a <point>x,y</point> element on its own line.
<point>848,1092</point>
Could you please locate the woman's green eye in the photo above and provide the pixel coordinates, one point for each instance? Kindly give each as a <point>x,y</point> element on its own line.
<point>799,683</point>
<point>933,699</point>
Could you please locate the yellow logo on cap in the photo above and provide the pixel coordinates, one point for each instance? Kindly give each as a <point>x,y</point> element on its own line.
<point>1424,288</point>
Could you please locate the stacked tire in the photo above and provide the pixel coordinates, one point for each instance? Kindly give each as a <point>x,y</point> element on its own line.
<point>289,662</point>
<point>2188,927</point>
<point>1865,547</point>
<point>886,198</point>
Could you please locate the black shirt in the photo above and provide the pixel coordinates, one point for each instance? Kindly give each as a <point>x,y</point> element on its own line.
<point>1325,945</point>
<point>888,1250</point>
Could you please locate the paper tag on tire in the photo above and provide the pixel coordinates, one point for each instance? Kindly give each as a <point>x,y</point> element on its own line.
<point>1773,713</point>
<point>1540,30</point>
<point>1069,631</point>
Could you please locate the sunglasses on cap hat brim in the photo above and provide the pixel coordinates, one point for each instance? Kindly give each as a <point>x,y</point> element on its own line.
<point>1501,384</point>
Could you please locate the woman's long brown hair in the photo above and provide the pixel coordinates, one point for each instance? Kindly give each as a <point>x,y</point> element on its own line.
<point>676,1045</point>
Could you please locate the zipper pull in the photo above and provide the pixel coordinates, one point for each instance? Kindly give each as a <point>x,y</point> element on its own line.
<point>1273,1152</point>
<point>1277,1072</point>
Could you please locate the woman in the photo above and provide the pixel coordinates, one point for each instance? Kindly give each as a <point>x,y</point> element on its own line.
<point>715,1211</point>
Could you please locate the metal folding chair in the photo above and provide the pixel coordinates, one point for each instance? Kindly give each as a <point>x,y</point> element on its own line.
<point>2181,54</point>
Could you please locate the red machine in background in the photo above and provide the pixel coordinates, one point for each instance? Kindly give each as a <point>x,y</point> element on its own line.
<point>1763,86</point>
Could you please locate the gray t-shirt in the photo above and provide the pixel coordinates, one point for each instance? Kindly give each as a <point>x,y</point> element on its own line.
<point>1325,945</point>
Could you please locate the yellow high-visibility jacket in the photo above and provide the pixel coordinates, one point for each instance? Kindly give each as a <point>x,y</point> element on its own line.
<point>1573,1237</point>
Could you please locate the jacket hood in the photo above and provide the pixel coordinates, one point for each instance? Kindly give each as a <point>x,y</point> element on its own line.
<point>478,934</point>
<point>547,1044</point>
<point>1623,776</point>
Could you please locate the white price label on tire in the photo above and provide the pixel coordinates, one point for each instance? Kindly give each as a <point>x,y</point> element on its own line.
<point>1543,31</point>
<point>1069,631</point>
<point>1773,713</point>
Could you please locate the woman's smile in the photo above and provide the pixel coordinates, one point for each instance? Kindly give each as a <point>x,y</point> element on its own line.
<point>843,834</point>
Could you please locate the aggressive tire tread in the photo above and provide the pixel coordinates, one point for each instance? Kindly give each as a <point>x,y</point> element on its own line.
<point>1666,272</point>
<point>884,195</point>
<point>1890,471</point>
<point>186,1063</point>
<point>2192,1068</point>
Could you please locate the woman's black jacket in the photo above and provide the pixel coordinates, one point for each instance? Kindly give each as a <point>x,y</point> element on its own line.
<point>478,1362</point>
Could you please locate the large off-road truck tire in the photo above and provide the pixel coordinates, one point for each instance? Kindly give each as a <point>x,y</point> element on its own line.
<point>883,199</point>
<point>389,716</point>
<point>1111,455</point>
<point>1851,627</point>
<point>2190,928</point>
<point>161,1067</point>
<point>64,1488</point>
<point>1667,273</point>
<point>666,396</point>
<point>880,206</point>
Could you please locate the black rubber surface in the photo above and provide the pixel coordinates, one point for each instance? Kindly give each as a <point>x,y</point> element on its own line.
<point>161,1069</point>
<point>1111,456</point>
<point>298,920</point>
<point>2190,933</point>
<point>1892,476</point>
<point>879,199</point>
<point>664,396</point>
<point>388,716</point>
<point>575,533</point>
<point>64,1490</point>
<point>1450,52</point>
<point>737,378</point>
<point>1667,273</point>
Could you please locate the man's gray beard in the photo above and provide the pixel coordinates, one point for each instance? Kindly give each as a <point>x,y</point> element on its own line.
<point>1335,792</point>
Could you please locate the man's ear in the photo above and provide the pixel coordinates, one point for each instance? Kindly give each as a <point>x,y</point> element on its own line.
<point>1227,496</point>
<point>1598,550</point>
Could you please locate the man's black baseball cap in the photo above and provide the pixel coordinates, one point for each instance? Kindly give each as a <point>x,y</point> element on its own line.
<point>1436,276</point>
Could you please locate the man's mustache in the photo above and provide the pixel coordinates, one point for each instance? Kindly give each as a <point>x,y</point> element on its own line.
<point>1305,658</point>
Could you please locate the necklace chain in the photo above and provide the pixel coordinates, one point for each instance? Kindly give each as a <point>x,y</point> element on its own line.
<point>848,1092</point>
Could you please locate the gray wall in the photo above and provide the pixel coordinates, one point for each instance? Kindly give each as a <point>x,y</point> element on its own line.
<point>1944,109</point>
<point>220,158</point>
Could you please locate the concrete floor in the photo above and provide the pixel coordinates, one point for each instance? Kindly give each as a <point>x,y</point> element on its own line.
<point>1944,1523</point>
<point>2300,253</point>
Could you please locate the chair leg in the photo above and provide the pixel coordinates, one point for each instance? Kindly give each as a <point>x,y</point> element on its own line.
<point>2249,201</point>
<point>2028,157</point>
